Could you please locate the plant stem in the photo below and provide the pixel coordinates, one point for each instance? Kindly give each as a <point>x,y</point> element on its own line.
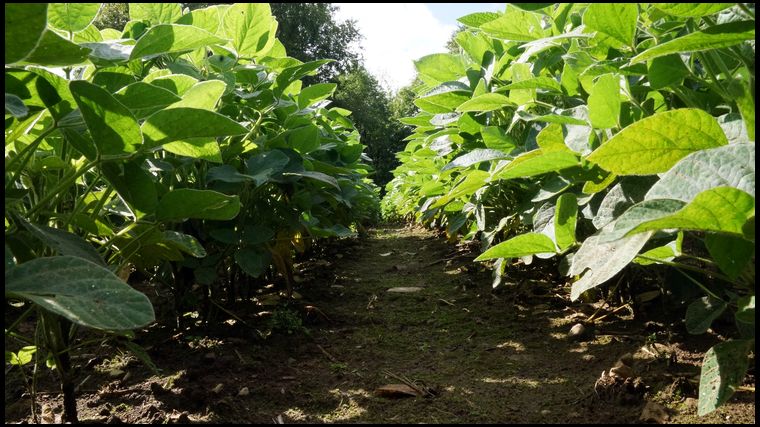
<point>26,153</point>
<point>62,185</point>
<point>688,267</point>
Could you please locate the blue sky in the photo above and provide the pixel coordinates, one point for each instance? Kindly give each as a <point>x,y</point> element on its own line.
<point>396,34</point>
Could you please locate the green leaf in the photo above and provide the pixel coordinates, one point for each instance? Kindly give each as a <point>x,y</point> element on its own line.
<point>108,53</point>
<point>718,36</point>
<point>24,27</point>
<point>486,102</point>
<point>185,242</point>
<point>145,99</point>
<point>23,356</point>
<point>515,26</point>
<point>15,106</point>
<point>319,176</point>
<point>90,34</point>
<point>665,71</point>
<point>155,13</point>
<point>477,19</point>
<point>304,139</point>
<point>64,243</point>
<point>204,95</point>
<point>604,260</point>
<point>440,67</point>
<point>701,313</point>
<point>522,245</point>
<point>495,138</point>
<point>177,83</point>
<point>183,203</point>
<point>720,209</point>
<point>176,124</point>
<point>291,74</point>
<point>723,370</point>
<point>546,83</point>
<point>252,262</point>
<point>639,213</point>
<point>662,253</point>
<point>473,181</point>
<point>731,253</point>
<point>616,20</point>
<point>537,162</point>
<point>196,148</point>
<point>447,95</point>
<point>314,93</point>
<point>133,183</point>
<point>72,17</point>
<point>53,50</point>
<point>551,138</point>
<point>565,217</point>
<point>256,234</point>
<point>168,38</point>
<point>692,10</point>
<point>80,291</point>
<point>475,156</point>
<point>112,126</point>
<point>745,311</point>
<point>208,18</point>
<point>654,144</point>
<point>727,166</point>
<point>251,28</point>
<point>604,102</point>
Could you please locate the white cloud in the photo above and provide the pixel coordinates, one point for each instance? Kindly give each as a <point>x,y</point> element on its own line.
<point>395,34</point>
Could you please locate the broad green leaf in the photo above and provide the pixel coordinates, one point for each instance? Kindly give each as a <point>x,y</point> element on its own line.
<point>226,173</point>
<point>522,245</point>
<point>485,102</point>
<point>169,38</point>
<point>264,166</point>
<point>185,242</point>
<point>692,10</point>
<point>716,37</point>
<point>145,99</point>
<point>473,181</point>
<point>53,50</point>
<point>701,313</point>
<point>603,260</point>
<point>251,28</point>
<point>197,148</point>
<point>155,13</point>
<point>23,356</point>
<point>304,139</point>
<point>72,17</point>
<point>204,95</point>
<point>666,252</point>
<point>208,18</point>
<point>494,138</point>
<point>565,217</point>
<point>177,83</point>
<point>108,53</point>
<point>64,243</point>
<point>183,203</point>
<point>666,70</point>
<point>551,138</point>
<point>720,209</point>
<point>515,26</point>
<point>440,67</point>
<point>314,93</point>
<point>656,143</point>
<point>318,176</point>
<point>113,78</point>
<point>604,102</point>
<point>723,370</point>
<point>477,19</point>
<point>475,156</point>
<point>745,310</point>
<point>177,124</point>
<point>536,163</point>
<point>546,83</point>
<point>447,95</point>
<point>291,74</point>
<point>15,106</point>
<point>727,166</point>
<point>80,291</point>
<point>731,253</point>
<point>639,213</point>
<point>477,46</point>
<point>256,234</point>
<point>133,183</point>
<point>91,34</point>
<point>252,262</point>
<point>616,20</point>
<point>112,126</point>
<point>24,27</point>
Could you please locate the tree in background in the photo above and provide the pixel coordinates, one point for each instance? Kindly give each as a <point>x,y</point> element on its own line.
<point>112,15</point>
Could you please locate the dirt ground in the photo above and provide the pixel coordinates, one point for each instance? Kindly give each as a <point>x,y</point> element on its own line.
<point>348,350</point>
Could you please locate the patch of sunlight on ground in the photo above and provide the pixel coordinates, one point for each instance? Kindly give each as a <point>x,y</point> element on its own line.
<point>523,381</point>
<point>295,414</point>
<point>558,335</point>
<point>348,408</point>
<point>514,345</point>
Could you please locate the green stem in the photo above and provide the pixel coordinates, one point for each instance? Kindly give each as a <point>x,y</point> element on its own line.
<point>63,185</point>
<point>701,286</point>
<point>688,267</point>
<point>79,206</point>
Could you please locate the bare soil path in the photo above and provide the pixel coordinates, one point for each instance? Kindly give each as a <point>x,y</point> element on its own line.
<point>350,346</point>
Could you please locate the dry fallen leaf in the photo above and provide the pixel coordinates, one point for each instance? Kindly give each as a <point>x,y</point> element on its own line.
<point>396,391</point>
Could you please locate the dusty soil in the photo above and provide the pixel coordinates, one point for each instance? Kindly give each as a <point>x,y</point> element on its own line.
<point>470,354</point>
